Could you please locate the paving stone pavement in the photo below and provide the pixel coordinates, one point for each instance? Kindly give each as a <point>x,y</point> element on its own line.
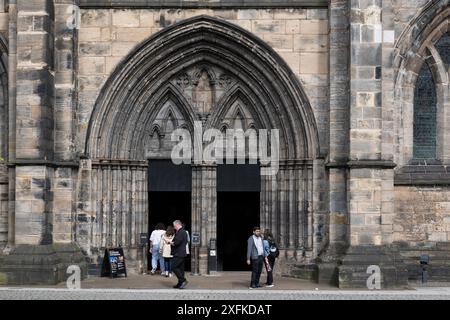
<point>261,294</point>
<point>224,286</point>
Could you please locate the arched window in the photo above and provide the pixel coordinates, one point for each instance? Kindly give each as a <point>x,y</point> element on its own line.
<point>425,101</point>
<point>428,127</point>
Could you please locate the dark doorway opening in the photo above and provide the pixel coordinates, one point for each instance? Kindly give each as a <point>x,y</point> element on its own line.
<point>167,207</point>
<point>169,196</point>
<point>237,214</point>
<point>238,209</point>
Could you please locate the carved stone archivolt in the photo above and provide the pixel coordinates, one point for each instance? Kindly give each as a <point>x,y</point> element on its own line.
<point>225,62</point>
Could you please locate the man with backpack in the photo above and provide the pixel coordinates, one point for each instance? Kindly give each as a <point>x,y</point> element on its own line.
<point>271,252</point>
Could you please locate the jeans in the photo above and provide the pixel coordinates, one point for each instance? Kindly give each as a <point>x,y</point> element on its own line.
<point>178,269</point>
<point>156,257</point>
<point>257,265</point>
<point>168,264</point>
<point>270,273</point>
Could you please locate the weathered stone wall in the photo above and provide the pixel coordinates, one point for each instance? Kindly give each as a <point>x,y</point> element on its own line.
<point>300,36</point>
<point>34,199</point>
<point>422,214</point>
<point>381,119</point>
<point>421,202</point>
<point>408,27</point>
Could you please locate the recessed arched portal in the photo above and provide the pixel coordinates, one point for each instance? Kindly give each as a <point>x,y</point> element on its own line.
<point>209,70</point>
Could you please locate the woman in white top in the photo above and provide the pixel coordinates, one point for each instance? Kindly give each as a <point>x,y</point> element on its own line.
<point>155,240</point>
<point>165,250</point>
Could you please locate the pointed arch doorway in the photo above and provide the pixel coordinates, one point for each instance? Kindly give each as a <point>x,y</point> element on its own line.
<point>203,70</point>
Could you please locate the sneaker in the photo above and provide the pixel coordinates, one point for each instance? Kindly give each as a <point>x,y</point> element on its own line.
<point>170,275</point>
<point>177,286</point>
<point>153,271</point>
<point>269,286</point>
<point>183,285</point>
<point>252,287</point>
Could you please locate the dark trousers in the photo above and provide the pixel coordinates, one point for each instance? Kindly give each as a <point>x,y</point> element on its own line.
<point>178,268</point>
<point>270,273</point>
<point>257,265</point>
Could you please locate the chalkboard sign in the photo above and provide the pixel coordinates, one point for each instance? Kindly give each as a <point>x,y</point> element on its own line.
<point>114,263</point>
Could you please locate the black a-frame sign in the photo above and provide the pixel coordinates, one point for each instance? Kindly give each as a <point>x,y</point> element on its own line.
<point>113,263</point>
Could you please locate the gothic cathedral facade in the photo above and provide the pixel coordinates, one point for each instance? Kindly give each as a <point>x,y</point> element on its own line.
<point>93,90</point>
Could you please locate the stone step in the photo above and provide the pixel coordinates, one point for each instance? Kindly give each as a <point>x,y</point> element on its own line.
<point>305,272</point>
<point>41,264</point>
<point>94,270</point>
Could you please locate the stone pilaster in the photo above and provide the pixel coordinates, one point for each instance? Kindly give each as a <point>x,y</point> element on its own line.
<point>65,28</point>
<point>204,211</point>
<point>339,87</point>
<point>34,220</point>
<point>370,179</point>
<point>35,80</point>
<point>4,21</point>
<point>35,178</point>
<point>66,15</point>
<point>34,122</point>
<point>364,181</point>
<point>339,120</point>
<point>12,95</point>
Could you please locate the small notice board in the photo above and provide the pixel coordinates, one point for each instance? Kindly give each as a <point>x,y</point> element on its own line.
<point>113,263</point>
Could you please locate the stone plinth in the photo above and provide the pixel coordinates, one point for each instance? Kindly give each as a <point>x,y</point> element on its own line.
<point>353,271</point>
<point>41,264</point>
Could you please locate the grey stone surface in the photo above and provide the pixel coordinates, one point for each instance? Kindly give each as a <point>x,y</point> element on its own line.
<point>45,264</point>
<point>357,260</point>
<point>224,295</point>
<point>202,3</point>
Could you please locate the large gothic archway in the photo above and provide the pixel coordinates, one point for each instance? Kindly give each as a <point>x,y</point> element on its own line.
<point>201,69</point>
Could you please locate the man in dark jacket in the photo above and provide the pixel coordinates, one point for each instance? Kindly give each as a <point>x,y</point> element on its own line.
<point>179,244</point>
<point>255,256</point>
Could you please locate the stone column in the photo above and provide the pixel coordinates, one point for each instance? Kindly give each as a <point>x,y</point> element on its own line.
<point>339,121</point>
<point>33,145</point>
<point>4,19</point>
<point>370,174</point>
<point>65,37</point>
<point>34,122</point>
<point>64,54</point>
<point>204,211</point>
<point>339,93</point>
<point>12,94</point>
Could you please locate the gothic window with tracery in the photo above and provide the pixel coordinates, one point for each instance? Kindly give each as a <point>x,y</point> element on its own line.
<point>425,115</point>
<point>426,109</point>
